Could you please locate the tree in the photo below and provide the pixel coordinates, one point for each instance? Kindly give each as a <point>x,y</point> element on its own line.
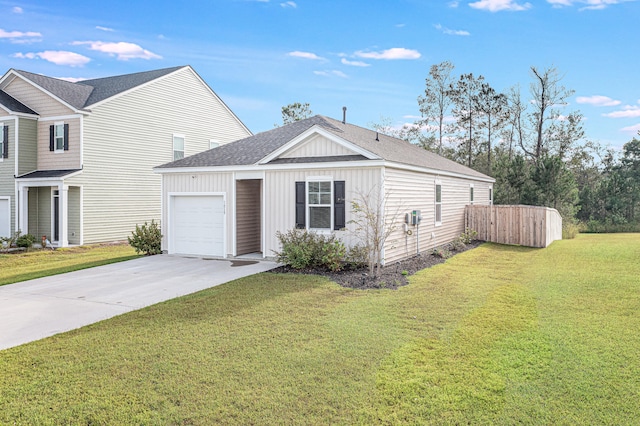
<point>492,108</point>
<point>464,94</point>
<point>515,110</point>
<point>295,112</point>
<point>434,104</point>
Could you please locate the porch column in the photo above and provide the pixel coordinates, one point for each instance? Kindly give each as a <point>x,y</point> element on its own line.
<point>23,209</point>
<point>63,218</point>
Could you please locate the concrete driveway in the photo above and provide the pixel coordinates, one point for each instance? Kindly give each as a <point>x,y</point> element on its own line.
<point>39,308</point>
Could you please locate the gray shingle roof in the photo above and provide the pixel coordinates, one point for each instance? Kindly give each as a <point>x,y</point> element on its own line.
<point>254,148</point>
<point>85,93</point>
<point>39,174</point>
<point>13,104</point>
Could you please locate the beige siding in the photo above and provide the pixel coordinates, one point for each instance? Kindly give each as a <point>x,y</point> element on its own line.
<point>128,136</point>
<point>408,191</point>
<point>317,146</point>
<point>59,160</point>
<point>248,216</point>
<point>36,99</point>
<point>7,170</point>
<point>40,212</point>
<point>73,214</point>
<point>27,146</point>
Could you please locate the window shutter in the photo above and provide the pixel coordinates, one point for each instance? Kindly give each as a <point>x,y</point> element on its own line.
<point>66,137</point>
<point>52,131</point>
<point>300,205</point>
<point>338,205</point>
<point>5,140</point>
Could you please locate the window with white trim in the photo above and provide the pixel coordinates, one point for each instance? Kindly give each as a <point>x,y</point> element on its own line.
<point>438,203</point>
<point>213,143</point>
<point>471,194</point>
<point>58,137</point>
<point>319,196</point>
<point>178,147</point>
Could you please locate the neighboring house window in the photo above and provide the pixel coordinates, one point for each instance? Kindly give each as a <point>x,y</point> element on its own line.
<point>178,147</point>
<point>213,143</point>
<point>490,195</point>
<point>59,137</point>
<point>471,194</point>
<point>4,142</point>
<point>438,203</point>
<point>320,205</point>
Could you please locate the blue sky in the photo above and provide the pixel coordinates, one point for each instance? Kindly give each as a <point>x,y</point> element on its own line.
<point>371,56</point>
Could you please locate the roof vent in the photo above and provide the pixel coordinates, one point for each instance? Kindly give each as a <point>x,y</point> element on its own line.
<point>344,115</point>
<point>377,138</point>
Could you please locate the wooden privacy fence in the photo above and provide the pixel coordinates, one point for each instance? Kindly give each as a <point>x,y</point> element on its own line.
<point>528,226</point>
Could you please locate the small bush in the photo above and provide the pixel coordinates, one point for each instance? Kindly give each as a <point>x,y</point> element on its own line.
<point>146,239</point>
<point>569,230</point>
<point>457,244</point>
<point>468,236</point>
<point>25,240</point>
<point>442,252</point>
<point>302,249</point>
<point>357,255</point>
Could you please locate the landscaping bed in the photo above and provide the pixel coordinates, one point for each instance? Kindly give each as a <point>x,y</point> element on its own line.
<point>391,276</point>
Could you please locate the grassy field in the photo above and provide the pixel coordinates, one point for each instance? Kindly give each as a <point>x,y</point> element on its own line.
<point>496,335</point>
<point>40,263</point>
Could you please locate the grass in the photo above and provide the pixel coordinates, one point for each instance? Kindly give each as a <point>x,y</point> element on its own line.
<point>496,335</point>
<point>41,263</point>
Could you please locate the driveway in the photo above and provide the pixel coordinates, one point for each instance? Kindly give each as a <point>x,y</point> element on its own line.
<point>39,308</point>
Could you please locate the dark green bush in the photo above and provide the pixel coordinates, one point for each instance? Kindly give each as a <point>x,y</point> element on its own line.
<point>302,249</point>
<point>146,239</point>
<point>25,240</point>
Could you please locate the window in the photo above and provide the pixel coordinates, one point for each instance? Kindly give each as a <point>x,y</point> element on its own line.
<point>471,194</point>
<point>178,147</point>
<point>438,203</point>
<point>4,141</point>
<point>59,137</point>
<point>319,201</point>
<point>213,143</point>
<point>490,195</point>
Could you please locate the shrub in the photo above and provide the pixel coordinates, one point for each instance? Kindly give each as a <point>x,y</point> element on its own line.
<point>441,252</point>
<point>146,239</point>
<point>303,249</point>
<point>457,244</point>
<point>569,230</point>
<point>7,242</point>
<point>468,236</point>
<point>357,255</point>
<point>25,240</point>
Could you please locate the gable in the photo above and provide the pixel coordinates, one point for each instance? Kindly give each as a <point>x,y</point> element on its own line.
<point>36,99</point>
<point>317,146</point>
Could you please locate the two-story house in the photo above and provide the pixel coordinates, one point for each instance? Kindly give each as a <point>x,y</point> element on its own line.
<point>76,159</point>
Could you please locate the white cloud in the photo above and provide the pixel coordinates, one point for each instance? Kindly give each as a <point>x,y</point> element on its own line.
<point>71,79</point>
<point>631,129</point>
<point>627,111</point>
<point>331,73</point>
<point>500,5</point>
<point>354,63</point>
<point>597,100</point>
<point>19,36</point>
<point>390,54</point>
<point>98,27</point>
<point>305,55</point>
<point>58,57</point>
<point>123,51</point>
<point>448,31</point>
<point>17,9</point>
<point>400,25</point>
<point>291,4</point>
<point>590,4</point>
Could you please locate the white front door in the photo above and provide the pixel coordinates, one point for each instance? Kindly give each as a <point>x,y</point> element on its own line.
<point>5,217</point>
<point>197,225</point>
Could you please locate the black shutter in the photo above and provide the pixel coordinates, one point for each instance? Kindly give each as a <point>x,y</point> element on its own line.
<point>66,137</point>
<point>5,140</point>
<point>338,205</point>
<point>52,131</point>
<point>300,205</point>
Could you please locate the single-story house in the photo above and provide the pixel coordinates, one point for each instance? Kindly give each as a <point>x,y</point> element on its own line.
<point>233,199</point>
<point>76,159</point>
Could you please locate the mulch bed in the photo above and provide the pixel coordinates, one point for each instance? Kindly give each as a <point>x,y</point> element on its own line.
<point>391,276</point>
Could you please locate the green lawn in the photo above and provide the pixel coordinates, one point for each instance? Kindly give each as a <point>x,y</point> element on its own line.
<point>496,335</point>
<point>41,263</point>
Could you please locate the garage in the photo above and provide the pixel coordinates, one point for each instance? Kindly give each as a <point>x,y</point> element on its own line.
<point>5,217</point>
<point>196,224</point>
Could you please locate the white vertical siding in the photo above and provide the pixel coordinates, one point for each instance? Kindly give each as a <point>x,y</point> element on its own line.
<point>129,135</point>
<point>74,213</point>
<point>317,146</point>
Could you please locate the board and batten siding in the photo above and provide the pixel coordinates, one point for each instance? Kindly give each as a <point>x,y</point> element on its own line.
<point>59,160</point>
<point>7,170</point>
<point>27,146</point>
<point>317,146</point>
<point>407,191</point>
<point>127,136</point>
<point>73,207</point>
<point>279,196</point>
<point>36,99</point>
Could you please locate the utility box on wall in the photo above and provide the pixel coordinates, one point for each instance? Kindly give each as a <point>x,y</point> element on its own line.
<point>413,218</point>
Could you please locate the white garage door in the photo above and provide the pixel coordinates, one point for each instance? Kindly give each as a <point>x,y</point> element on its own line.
<point>197,225</point>
<point>5,218</point>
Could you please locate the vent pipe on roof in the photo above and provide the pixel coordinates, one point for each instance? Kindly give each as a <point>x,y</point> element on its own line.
<point>377,139</point>
<point>344,115</point>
